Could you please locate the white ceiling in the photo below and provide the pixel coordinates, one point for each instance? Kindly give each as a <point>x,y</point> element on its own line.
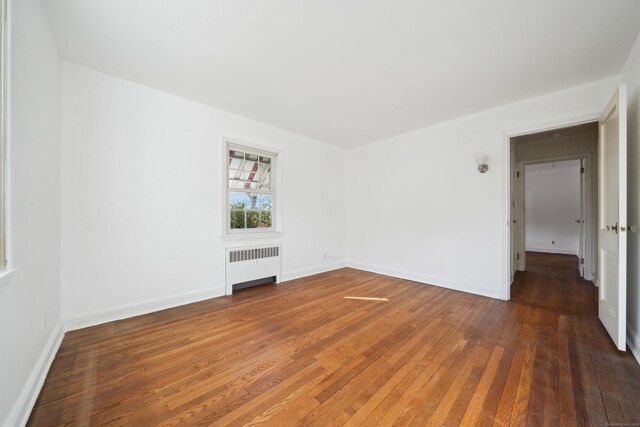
<point>349,72</point>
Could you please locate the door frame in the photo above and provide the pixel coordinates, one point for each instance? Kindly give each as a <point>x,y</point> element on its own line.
<point>507,273</point>
<point>590,208</point>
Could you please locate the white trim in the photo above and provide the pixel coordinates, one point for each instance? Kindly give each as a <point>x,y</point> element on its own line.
<point>21,410</point>
<point>633,341</point>
<point>552,251</point>
<point>440,282</point>
<point>577,120</point>
<point>507,134</point>
<point>243,237</point>
<point>5,276</point>
<point>8,198</point>
<point>297,274</point>
<point>127,311</point>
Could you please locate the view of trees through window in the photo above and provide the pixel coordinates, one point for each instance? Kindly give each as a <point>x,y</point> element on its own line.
<point>250,191</point>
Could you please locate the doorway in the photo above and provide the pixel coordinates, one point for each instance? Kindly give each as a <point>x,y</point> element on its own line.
<point>563,150</point>
<point>554,213</point>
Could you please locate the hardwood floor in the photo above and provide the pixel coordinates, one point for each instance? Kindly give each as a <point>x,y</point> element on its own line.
<point>300,353</point>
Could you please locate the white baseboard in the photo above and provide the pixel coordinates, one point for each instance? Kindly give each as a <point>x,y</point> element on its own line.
<point>21,411</point>
<point>552,251</point>
<point>633,341</point>
<point>430,280</point>
<point>297,274</point>
<point>124,312</point>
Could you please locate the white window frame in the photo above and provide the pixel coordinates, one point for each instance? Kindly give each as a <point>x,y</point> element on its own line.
<point>276,208</point>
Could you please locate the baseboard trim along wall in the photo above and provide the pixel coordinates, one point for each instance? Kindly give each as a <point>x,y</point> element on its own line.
<point>633,341</point>
<point>552,251</point>
<point>124,312</point>
<point>22,408</point>
<point>433,281</point>
<point>297,274</point>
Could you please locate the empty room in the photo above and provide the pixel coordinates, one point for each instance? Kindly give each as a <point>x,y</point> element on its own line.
<point>218,212</point>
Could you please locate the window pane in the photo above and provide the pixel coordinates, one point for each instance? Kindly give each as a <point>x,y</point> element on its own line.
<point>258,219</point>
<point>236,220</point>
<point>265,219</point>
<point>250,167</point>
<point>236,172</point>
<point>238,201</point>
<point>236,178</point>
<point>253,219</point>
<point>235,154</point>
<point>264,176</point>
<point>264,201</point>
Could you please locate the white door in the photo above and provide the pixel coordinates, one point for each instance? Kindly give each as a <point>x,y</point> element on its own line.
<point>580,221</point>
<point>612,242</point>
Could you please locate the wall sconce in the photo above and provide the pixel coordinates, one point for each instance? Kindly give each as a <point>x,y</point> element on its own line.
<point>481,160</point>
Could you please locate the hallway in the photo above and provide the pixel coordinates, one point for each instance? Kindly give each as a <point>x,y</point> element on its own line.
<point>578,354</point>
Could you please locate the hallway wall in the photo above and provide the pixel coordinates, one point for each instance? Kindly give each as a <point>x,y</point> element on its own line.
<point>552,205</point>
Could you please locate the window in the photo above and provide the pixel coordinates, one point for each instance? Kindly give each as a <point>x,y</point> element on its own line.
<point>250,189</point>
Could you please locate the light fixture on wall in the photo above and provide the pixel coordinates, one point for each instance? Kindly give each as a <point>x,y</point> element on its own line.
<point>481,160</point>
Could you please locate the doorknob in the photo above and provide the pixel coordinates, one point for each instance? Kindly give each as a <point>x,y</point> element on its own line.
<point>613,228</point>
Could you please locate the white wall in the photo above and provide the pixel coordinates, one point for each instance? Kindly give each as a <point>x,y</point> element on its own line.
<point>32,296</point>
<point>631,77</point>
<point>552,205</point>
<point>419,209</point>
<point>141,197</point>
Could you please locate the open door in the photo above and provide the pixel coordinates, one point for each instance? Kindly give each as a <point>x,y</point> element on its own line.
<point>612,189</point>
<point>580,221</point>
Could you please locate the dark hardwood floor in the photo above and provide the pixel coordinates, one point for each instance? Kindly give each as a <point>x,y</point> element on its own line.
<point>300,353</point>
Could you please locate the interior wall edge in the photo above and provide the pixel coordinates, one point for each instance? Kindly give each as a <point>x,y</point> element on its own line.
<point>21,410</point>
<point>439,282</point>
<point>298,274</point>
<point>127,311</point>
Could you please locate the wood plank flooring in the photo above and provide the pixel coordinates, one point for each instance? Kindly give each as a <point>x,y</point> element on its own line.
<point>299,353</point>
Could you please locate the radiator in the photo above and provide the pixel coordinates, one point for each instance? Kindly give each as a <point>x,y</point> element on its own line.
<point>251,263</point>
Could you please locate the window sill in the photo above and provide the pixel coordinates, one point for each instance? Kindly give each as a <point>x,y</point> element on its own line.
<point>5,276</point>
<point>251,236</point>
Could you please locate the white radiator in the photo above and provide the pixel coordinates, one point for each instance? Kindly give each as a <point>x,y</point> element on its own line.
<point>251,263</point>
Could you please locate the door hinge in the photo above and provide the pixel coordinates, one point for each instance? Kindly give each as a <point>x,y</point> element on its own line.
<point>517,174</point>
<point>518,256</point>
<point>581,260</point>
<point>581,170</point>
